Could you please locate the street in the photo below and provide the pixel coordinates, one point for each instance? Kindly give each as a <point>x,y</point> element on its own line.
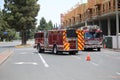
<point>27,64</point>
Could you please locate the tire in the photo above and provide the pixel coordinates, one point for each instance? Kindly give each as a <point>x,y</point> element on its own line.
<point>39,48</point>
<point>72,53</point>
<point>55,49</point>
<point>85,49</point>
<point>91,49</point>
<point>98,49</point>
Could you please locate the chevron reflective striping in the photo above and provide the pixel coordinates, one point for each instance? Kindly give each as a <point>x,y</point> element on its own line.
<point>66,45</point>
<point>80,47</point>
<point>80,39</point>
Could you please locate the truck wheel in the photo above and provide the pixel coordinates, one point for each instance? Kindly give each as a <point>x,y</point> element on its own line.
<point>85,49</point>
<point>98,49</point>
<point>55,50</point>
<point>39,48</point>
<point>72,53</point>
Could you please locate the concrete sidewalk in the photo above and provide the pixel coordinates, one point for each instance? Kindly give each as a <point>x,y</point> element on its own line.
<point>116,50</point>
<point>4,55</point>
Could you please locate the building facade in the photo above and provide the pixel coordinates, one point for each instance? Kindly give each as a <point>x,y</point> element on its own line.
<point>94,12</point>
<point>104,13</point>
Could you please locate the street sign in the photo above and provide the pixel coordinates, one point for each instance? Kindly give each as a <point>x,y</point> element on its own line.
<point>5,32</point>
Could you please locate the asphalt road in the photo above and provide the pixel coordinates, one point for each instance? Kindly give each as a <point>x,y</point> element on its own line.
<point>28,64</point>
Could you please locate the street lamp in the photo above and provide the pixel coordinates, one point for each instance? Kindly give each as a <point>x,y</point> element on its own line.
<point>117,22</point>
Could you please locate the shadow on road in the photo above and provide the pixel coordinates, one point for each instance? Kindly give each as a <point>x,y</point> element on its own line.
<point>58,54</point>
<point>91,51</point>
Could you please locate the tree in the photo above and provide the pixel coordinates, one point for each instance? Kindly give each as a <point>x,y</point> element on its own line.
<point>44,25</point>
<point>50,25</point>
<point>21,15</point>
<point>0,21</point>
<point>3,26</point>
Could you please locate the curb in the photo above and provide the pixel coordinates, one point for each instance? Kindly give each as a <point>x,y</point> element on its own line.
<point>22,46</point>
<point>116,50</point>
<point>4,55</point>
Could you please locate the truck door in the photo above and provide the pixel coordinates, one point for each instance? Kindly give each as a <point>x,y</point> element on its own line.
<point>72,38</point>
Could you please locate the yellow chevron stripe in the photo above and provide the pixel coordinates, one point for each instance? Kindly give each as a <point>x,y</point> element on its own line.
<point>80,48</point>
<point>66,47</point>
<point>80,40</point>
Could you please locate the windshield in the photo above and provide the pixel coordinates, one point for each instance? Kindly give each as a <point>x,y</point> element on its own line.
<point>39,35</point>
<point>90,35</point>
<point>71,33</point>
<point>98,35</point>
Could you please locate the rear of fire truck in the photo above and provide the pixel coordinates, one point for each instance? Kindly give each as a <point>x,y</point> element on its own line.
<point>93,37</point>
<point>66,40</point>
<point>75,39</point>
<point>70,40</point>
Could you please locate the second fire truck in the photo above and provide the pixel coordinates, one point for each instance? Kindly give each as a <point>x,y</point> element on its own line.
<point>93,37</point>
<point>61,40</point>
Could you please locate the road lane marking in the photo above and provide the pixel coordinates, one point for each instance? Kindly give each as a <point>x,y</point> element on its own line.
<point>95,64</point>
<point>23,53</point>
<point>19,62</point>
<point>77,57</point>
<point>33,63</point>
<point>44,62</point>
<point>118,73</point>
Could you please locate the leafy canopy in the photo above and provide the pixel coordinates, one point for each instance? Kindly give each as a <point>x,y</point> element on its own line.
<point>21,15</point>
<point>44,25</point>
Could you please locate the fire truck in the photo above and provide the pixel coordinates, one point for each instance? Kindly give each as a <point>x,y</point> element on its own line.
<point>61,40</point>
<point>93,37</point>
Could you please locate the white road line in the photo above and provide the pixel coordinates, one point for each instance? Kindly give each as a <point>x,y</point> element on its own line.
<point>44,62</point>
<point>23,53</point>
<point>33,63</point>
<point>19,63</point>
<point>77,57</point>
<point>95,64</point>
<point>118,73</point>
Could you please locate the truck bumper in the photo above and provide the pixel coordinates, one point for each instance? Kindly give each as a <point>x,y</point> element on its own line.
<point>93,46</point>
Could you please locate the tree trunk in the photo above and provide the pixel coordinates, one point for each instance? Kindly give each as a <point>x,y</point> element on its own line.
<point>23,34</point>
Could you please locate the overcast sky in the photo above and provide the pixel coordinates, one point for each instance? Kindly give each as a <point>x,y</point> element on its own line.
<point>51,9</point>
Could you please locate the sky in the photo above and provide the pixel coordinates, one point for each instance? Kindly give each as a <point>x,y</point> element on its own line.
<point>51,9</point>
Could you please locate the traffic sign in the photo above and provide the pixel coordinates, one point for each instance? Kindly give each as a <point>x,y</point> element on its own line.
<point>5,32</point>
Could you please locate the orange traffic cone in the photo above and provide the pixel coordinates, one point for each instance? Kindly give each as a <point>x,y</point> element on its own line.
<point>88,58</point>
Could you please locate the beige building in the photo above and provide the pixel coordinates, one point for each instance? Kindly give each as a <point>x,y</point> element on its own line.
<point>98,12</point>
<point>104,13</point>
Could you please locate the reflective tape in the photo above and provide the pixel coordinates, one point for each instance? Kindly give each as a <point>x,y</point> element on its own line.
<point>80,34</point>
<point>65,43</point>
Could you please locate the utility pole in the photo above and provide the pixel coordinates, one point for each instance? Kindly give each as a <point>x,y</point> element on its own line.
<point>117,22</point>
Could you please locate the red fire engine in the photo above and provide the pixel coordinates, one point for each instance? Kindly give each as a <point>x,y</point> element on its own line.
<point>93,37</point>
<point>60,41</point>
